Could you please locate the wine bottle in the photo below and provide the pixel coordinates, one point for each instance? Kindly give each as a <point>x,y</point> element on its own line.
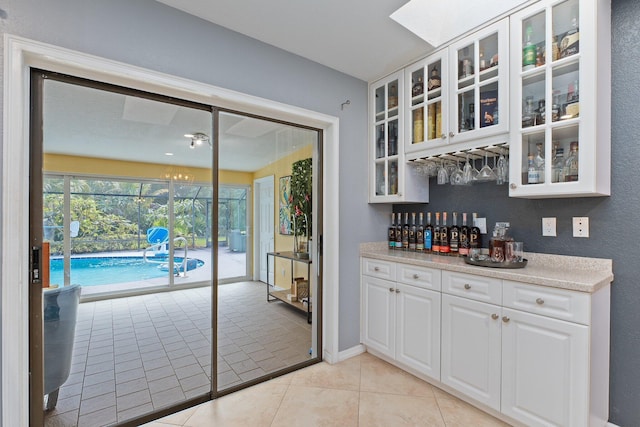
<point>428,234</point>
<point>445,249</point>
<point>454,236</point>
<point>405,232</point>
<point>475,238</point>
<point>464,236</point>
<point>420,233</point>
<point>435,244</point>
<point>412,233</point>
<point>392,232</point>
<point>399,231</point>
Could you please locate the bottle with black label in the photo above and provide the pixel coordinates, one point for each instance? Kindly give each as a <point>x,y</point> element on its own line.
<point>475,238</point>
<point>420,233</point>
<point>428,234</point>
<point>435,245</point>
<point>392,232</point>
<point>405,233</point>
<point>399,231</point>
<point>454,236</point>
<point>412,233</point>
<point>445,249</point>
<point>464,236</point>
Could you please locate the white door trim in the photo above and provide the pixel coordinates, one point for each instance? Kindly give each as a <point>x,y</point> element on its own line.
<point>19,55</point>
<point>258,260</point>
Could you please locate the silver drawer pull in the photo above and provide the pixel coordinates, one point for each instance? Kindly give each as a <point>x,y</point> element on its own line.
<point>391,289</point>
<point>505,319</point>
<point>397,291</point>
<point>376,269</point>
<point>467,286</point>
<point>415,276</point>
<point>494,316</point>
<point>540,301</point>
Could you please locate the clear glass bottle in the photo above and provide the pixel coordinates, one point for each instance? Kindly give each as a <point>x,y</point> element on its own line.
<point>558,165</point>
<point>529,51</point>
<point>571,168</point>
<point>570,44</point>
<point>539,162</point>
<point>533,175</point>
<point>528,114</point>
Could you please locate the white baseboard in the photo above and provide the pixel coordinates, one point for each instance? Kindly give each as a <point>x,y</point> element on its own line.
<point>351,352</point>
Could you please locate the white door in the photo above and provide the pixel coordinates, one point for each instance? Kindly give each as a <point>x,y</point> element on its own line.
<point>545,370</point>
<point>471,348</point>
<point>379,314</point>
<point>265,226</point>
<point>418,329</point>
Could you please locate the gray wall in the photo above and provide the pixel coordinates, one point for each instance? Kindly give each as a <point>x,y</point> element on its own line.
<point>614,221</point>
<point>151,35</point>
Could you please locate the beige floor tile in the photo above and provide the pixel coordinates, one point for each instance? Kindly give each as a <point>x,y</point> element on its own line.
<point>255,406</point>
<point>380,376</point>
<point>179,418</point>
<point>313,406</point>
<point>284,379</point>
<point>457,413</point>
<point>343,376</point>
<point>382,410</point>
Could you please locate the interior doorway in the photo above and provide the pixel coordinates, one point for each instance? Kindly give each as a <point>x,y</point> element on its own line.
<point>263,226</point>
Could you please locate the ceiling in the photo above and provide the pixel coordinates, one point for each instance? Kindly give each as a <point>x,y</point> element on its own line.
<point>330,32</point>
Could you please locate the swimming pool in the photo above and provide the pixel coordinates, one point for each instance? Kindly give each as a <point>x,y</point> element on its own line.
<point>91,271</point>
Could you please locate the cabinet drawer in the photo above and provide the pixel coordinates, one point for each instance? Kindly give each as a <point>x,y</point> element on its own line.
<point>557,303</point>
<point>479,288</point>
<point>423,277</point>
<point>377,268</point>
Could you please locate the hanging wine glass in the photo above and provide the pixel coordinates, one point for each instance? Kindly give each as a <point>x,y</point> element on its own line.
<point>443,174</point>
<point>457,177</point>
<point>467,175</point>
<point>501,169</point>
<point>474,172</point>
<point>486,173</point>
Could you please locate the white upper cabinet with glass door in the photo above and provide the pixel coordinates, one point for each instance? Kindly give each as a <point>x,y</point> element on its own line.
<point>479,91</point>
<point>561,109</point>
<point>392,179</point>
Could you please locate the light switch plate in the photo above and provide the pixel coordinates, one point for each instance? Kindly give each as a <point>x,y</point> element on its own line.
<point>549,227</point>
<point>580,226</point>
<point>481,223</point>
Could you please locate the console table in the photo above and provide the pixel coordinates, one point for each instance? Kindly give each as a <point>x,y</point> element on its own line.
<point>282,295</point>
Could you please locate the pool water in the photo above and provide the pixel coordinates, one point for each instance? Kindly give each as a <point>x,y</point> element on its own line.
<point>91,271</point>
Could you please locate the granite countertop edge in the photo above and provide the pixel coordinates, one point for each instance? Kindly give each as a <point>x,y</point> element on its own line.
<point>557,271</point>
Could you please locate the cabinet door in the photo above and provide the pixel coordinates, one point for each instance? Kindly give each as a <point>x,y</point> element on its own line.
<point>471,348</point>
<point>418,329</point>
<point>560,73</point>
<point>479,74</point>
<point>379,313</point>
<point>545,370</point>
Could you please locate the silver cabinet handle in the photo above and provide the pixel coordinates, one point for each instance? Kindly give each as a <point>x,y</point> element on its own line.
<point>443,136</point>
<point>397,291</point>
<point>540,301</point>
<point>494,316</point>
<point>415,276</point>
<point>451,134</point>
<point>513,186</point>
<point>505,319</point>
<point>467,286</point>
<point>391,289</point>
<point>376,269</point>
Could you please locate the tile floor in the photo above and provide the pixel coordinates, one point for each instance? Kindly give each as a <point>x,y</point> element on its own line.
<point>362,391</point>
<point>138,354</point>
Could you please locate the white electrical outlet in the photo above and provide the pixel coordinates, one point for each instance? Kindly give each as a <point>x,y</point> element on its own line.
<point>580,226</point>
<point>549,227</point>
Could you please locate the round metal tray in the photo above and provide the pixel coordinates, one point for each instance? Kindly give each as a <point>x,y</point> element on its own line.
<point>492,264</point>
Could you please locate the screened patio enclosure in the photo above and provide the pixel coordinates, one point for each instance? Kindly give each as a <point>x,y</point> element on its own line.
<point>106,244</point>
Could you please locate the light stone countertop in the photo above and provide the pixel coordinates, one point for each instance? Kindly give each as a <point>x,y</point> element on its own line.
<point>557,271</point>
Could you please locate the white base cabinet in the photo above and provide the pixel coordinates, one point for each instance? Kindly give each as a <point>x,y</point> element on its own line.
<point>535,355</point>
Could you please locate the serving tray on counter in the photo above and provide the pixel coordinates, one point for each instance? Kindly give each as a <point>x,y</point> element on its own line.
<point>492,264</point>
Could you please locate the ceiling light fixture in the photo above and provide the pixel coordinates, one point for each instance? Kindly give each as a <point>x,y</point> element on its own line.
<point>197,138</point>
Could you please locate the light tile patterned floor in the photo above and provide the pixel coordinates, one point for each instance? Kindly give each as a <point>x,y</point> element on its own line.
<point>362,391</point>
<point>138,354</point>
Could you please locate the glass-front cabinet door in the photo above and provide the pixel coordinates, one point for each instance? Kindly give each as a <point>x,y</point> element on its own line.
<point>391,179</point>
<point>426,102</point>
<point>560,131</point>
<point>478,98</point>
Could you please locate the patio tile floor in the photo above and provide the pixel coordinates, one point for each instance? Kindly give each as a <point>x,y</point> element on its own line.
<point>138,354</point>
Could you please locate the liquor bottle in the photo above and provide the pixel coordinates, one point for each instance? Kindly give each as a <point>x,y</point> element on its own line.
<point>541,112</point>
<point>428,234</point>
<point>418,87</point>
<point>570,44</point>
<point>539,162</point>
<point>393,97</point>
<point>464,236</point>
<point>528,51</point>
<point>454,236</point>
<point>393,178</point>
<point>558,165</point>
<point>393,138</point>
<point>434,79</point>
<point>435,244</point>
<point>418,125</point>
<point>399,231</point>
<point>392,232</point>
<point>528,114</point>
<point>420,234</point>
<point>445,249</point>
<point>572,107</point>
<point>472,116</point>
<point>405,233</point>
<point>475,238</point>
<point>533,174</point>
<point>412,233</point>
<point>571,164</point>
